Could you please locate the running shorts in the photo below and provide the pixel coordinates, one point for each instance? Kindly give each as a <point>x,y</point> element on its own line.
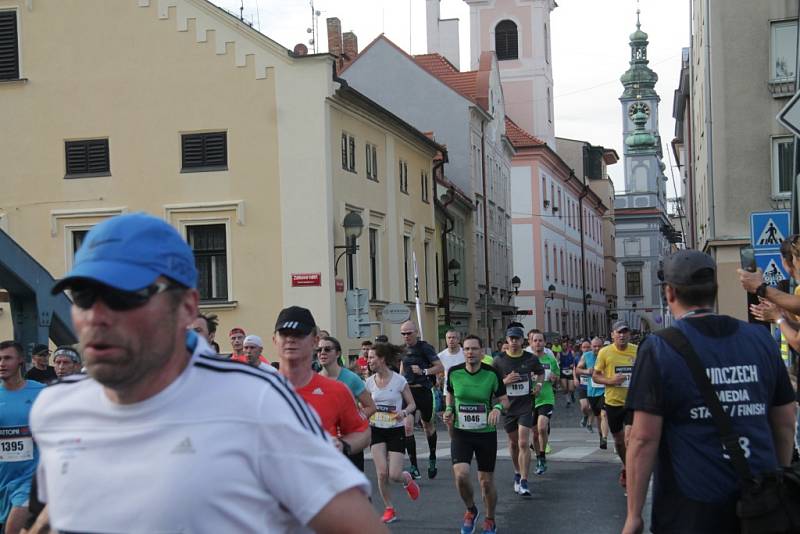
<point>582,392</point>
<point>513,422</point>
<point>618,417</point>
<point>482,444</point>
<point>423,400</point>
<point>597,404</point>
<point>545,410</point>
<point>358,460</point>
<point>394,438</point>
<point>14,494</point>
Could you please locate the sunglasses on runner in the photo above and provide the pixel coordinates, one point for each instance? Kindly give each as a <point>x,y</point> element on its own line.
<point>84,295</point>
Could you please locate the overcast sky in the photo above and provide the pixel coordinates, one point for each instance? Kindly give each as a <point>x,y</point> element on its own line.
<point>589,47</point>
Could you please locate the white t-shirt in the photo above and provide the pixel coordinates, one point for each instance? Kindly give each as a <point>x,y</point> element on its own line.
<point>225,448</point>
<point>448,360</point>
<point>388,401</point>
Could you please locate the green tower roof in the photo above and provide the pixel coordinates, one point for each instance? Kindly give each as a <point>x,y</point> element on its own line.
<point>639,80</point>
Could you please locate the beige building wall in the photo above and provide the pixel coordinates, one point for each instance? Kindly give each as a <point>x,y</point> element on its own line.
<point>141,74</point>
<point>394,215</point>
<point>734,100</point>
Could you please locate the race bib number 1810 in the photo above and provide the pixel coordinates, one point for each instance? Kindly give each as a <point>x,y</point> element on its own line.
<point>518,389</point>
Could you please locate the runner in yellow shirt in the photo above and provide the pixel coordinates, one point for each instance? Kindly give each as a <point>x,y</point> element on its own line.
<point>613,369</point>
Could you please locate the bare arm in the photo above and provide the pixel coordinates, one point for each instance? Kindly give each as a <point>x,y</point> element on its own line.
<point>348,512</point>
<point>782,420</point>
<point>640,458</point>
<point>367,404</point>
<point>409,398</point>
<point>358,441</point>
<point>436,368</point>
<point>751,281</point>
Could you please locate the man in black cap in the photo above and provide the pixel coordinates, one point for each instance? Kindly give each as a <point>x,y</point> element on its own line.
<point>41,371</point>
<point>696,487</point>
<point>517,369</point>
<point>613,369</point>
<point>295,341</point>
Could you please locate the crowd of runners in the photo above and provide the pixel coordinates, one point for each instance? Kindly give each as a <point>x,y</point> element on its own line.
<point>375,400</point>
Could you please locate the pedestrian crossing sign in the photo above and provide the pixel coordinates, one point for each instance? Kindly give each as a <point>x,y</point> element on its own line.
<point>768,229</point>
<point>770,264</point>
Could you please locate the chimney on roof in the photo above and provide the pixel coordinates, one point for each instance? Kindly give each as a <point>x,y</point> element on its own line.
<point>350,45</point>
<point>334,36</point>
<point>442,34</point>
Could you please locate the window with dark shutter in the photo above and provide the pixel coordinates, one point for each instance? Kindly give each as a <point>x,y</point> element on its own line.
<point>204,152</point>
<point>506,40</point>
<point>352,154</point>
<point>87,158</point>
<point>9,46</point>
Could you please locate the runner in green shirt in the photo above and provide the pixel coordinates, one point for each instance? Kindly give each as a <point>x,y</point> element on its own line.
<point>545,400</point>
<point>476,397</point>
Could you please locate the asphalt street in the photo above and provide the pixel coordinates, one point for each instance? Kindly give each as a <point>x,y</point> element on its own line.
<point>579,491</point>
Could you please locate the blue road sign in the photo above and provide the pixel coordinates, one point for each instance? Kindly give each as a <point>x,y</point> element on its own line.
<point>768,229</point>
<point>770,264</point>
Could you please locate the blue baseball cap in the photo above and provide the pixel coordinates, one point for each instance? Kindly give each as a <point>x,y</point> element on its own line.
<point>129,252</point>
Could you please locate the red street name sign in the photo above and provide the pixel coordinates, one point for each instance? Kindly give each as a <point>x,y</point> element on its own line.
<point>306,279</point>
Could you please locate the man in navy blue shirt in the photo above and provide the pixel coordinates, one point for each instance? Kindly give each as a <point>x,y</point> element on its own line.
<point>695,486</point>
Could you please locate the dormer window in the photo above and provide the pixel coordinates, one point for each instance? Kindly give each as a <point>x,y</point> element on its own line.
<point>506,40</point>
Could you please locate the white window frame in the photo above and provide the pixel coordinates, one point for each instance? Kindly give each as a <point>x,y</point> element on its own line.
<point>775,142</point>
<point>773,49</point>
<point>184,225</point>
<point>69,241</point>
<point>378,292</point>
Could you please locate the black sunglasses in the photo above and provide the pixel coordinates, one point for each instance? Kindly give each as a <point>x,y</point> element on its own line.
<point>85,295</point>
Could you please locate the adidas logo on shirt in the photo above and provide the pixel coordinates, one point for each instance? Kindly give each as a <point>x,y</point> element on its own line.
<point>184,447</point>
<point>317,391</point>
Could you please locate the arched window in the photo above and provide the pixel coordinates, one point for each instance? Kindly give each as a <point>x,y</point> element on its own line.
<point>506,40</point>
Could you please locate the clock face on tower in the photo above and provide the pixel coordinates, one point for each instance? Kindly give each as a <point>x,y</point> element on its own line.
<point>635,107</point>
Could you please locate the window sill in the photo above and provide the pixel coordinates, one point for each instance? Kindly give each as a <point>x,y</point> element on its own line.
<point>372,179</point>
<point>404,192</point>
<point>87,175</point>
<point>781,88</point>
<point>378,302</point>
<point>14,81</point>
<point>218,304</point>
<point>188,170</point>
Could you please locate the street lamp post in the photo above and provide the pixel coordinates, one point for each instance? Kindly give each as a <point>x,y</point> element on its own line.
<point>353,226</point>
<point>515,283</point>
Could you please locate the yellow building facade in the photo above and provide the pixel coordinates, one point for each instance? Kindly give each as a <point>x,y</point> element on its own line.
<point>180,110</point>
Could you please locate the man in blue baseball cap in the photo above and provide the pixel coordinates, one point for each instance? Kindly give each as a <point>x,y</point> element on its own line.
<point>160,418</point>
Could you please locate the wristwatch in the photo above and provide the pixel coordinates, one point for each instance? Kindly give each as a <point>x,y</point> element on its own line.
<point>346,449</point>
<point>425,372</point>
<point>761,291</point>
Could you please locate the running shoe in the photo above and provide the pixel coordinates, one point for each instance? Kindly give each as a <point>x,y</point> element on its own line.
<point>523,488</point>
<point>584,420</point>
<point>410,486</point>
<point>388,515</point>
<point>590,429</point>
<point>516,482</point>
<point>623,479</point>
<point>470,521</point>
<point>603,443</point>
<point>548,449</point>
<point>541,466</point>
<point>432,471</point>
<point>489,526</point>
<point>414,472</point>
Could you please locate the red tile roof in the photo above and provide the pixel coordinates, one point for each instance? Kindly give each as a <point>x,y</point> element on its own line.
<point>519,137</point>
<point>464,83</point>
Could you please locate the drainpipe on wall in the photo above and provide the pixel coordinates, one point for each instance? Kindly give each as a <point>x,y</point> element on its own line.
<point>485,235</point>
<point>449,224</point>
<point>712,234</point>
<point>583,257</point>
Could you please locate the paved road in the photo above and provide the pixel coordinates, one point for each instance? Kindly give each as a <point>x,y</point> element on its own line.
<point>579,492</point>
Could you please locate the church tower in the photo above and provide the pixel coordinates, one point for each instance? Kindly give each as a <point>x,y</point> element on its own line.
<point>640,213</point>
<point>644,169</point>
<point>519,33</point>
